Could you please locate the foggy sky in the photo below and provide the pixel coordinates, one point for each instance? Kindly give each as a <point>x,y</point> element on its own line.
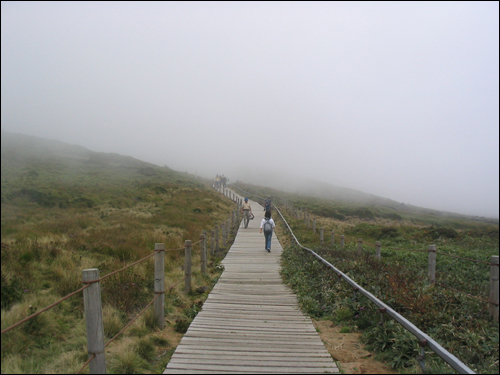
<point>397,99</point>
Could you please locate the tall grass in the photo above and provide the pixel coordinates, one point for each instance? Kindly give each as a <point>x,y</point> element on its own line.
<point>59,221</point>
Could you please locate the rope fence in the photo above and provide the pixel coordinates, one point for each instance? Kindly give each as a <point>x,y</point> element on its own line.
<point>92,295</point>
<point>43,310</point>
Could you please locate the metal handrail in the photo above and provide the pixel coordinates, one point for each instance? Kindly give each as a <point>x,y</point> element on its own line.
<point>433,345</point>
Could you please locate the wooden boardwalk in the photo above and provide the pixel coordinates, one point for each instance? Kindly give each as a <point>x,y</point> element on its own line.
<point>251,322</point>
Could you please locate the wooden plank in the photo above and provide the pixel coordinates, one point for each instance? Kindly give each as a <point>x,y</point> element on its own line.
<point>244,324</point>
<point>247,336</point>
<point>259,369</point>
<point>252,362</point>
<point>264,343</point>
<point>231,351</point>
<point>263,356</point>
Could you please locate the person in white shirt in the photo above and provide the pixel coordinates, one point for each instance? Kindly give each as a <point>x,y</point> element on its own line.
<point>267,224</point>
<point>246,210</point>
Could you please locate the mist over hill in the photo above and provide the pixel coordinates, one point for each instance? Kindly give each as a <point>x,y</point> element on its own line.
<point>319,189</point>
<point>21,154</point>
<point>22,150</point>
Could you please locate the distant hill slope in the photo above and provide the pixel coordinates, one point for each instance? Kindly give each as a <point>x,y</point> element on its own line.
<point>342,196</point>
<point>24,156</point>
<point>51,172</point>
<point>21,149</point>
<point>308,186</point>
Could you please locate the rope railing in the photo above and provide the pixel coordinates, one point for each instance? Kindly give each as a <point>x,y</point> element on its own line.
<point>465,294</point>
<point>43,310</point>
<point>89,283</point>
<point>79,290</point>
<point>159,289</point>
<point>126,326</point>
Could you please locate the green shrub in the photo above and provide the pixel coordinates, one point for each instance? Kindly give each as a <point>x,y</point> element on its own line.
<point>46,200</point>
<point>182,325</point>
<point>12,292</point>
<point>127,362</point>
<point>145,348</point>
<point>192,311</point>
<point>443,232</point>
<point>343,314</point>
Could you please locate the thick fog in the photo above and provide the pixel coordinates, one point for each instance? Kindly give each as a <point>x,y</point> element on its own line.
<point>397,99</point>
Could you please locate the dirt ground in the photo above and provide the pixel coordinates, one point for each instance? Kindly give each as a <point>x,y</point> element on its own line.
<point>347,350</point>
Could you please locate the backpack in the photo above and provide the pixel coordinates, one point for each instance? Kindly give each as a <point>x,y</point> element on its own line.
<point>268,227</point>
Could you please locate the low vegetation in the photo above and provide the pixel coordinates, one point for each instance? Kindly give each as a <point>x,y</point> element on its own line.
<point>65,209</point>
<point>63,214</point>
<point>458,322</point>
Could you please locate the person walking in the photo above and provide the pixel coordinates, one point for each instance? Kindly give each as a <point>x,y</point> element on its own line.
<point>246,210</point>
<point>268,225</point>
<point>268,204</point>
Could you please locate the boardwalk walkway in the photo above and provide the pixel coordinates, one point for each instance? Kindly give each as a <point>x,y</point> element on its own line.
<point>250,322</point>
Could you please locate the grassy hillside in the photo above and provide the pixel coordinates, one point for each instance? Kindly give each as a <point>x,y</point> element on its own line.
<point>65,209</point>
<point>457,321</point>
<point>293,185</point>
<point>364,209</point>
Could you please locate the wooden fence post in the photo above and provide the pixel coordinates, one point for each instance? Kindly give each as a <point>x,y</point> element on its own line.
<point>308,221</point>
<point>333,238</point>
<point>494,288</point>
<point>93,321</point>
<point>217,239</point>
<point>377,249</point>
<point>159,304</point>
<point>223,232</point>
<point>342,238</point>
<point>212,243</point>
<point>321,235</point>
<point>360,245</point>
<point>187,266</point>
<point>432,263</point>
<point>203,254</point>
